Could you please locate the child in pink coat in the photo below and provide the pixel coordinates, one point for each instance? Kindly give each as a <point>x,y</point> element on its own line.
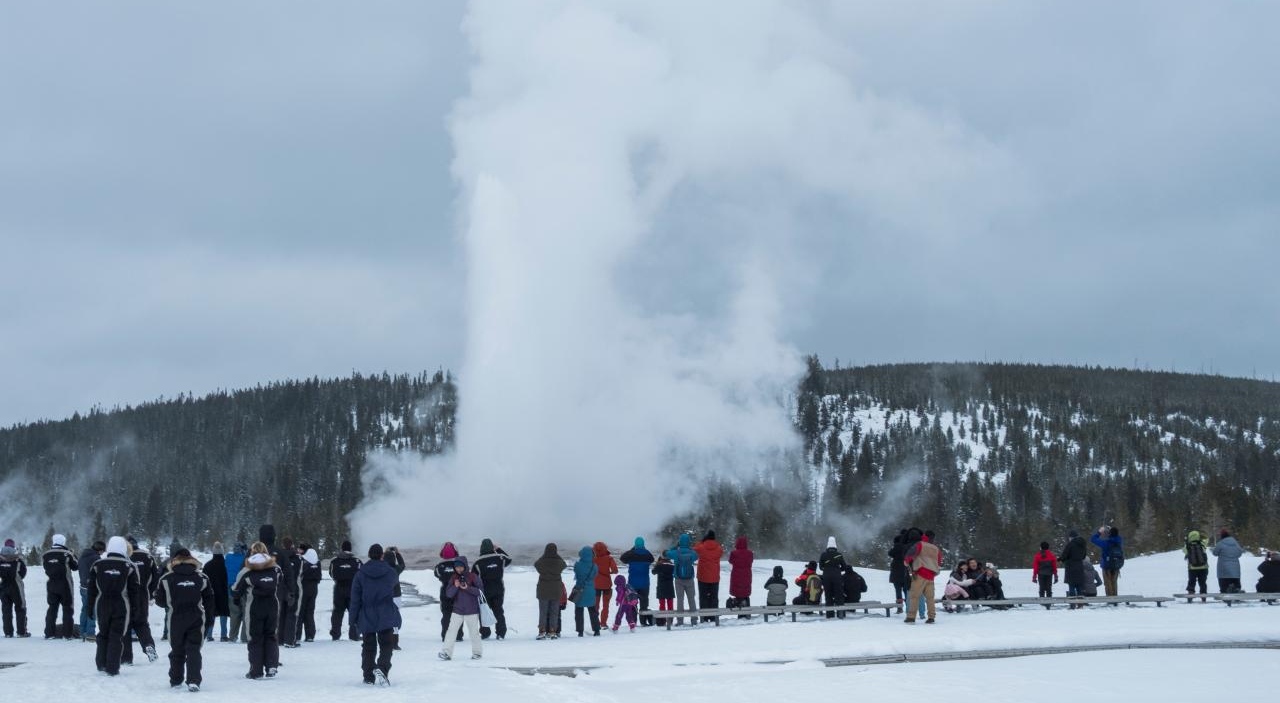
<point>628,603</point>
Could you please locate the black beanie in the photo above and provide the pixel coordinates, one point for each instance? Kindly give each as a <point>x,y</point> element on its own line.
<point>375,551</point>
<point>346,545</point>
<point>1044,546</point>
<point>711,535</point>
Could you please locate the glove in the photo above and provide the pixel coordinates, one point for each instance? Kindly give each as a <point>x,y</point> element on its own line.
<point>1055,579</point>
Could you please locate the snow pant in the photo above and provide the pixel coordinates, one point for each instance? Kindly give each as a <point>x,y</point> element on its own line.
<point>139,629</point>
<point>112,617</point>
<point>1045,581</point>
<point>375,651</point>
<point>920,587</point>
<point>834,595</point>
<point>625,611</point>
<point>684,594</point>
<point>1197,576</point>
<point>603,596</point>
<point>13,605</point>
<point>306,625</point>
<point>264,645</point>
<point>1109,579</point>
<point>495,597</point>
<point>665,604</point>
<point>456,621</point>
<point>87,625</point>
<point>645,620</point>
<point>549,616</point>
<point>186,637</point>
<point>595,618</point>
<point>1229,585</point>
<point>446,610</point>
<point>341,602</point>
<point>237,622</point>
<point>708,597</point>
<point>287,628</point>
<point>60,599</point>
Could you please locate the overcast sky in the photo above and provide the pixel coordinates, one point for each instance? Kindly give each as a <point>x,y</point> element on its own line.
<point>201,196</point>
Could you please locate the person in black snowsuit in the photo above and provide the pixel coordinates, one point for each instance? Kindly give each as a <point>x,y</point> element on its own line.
<point>309,581</point>
<point>259,589</point>
<point>13,596</point>
<point>444,573</point>
<point>288,588</point>
<point>186,593</point>
<point>832,564</point>
<point>342,569</point>
<point>139,626</point>
<point>60,566</point>
<point>488,567</point>
<point>290,562</point>
<point>114,592</point>
<point>393,557</point>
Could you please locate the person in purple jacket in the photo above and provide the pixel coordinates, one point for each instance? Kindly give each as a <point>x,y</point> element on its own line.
<point>464,589</point>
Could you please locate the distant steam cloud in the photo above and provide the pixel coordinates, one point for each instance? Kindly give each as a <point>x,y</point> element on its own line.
<point>589,402</point>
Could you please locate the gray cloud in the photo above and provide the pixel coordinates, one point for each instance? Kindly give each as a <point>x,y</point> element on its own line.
<point>195,196</point>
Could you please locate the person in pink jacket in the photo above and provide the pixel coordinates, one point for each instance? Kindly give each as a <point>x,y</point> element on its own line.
<point>740,561</point>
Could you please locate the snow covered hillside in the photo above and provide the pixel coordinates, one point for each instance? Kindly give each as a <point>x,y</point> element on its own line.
<point>740,660</point>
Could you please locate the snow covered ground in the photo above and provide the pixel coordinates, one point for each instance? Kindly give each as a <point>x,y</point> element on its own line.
<point>738,660</point>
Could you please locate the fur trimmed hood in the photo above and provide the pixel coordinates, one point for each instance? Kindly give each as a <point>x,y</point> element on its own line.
<point>260,562</point>
<point>184,561</point>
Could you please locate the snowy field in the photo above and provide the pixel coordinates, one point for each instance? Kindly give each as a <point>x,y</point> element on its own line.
<point>739,660</point>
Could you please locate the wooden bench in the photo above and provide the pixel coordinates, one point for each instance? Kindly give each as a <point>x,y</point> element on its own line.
<point>1233,598</point>
<point>766,611</point>
<point>1061,600</point>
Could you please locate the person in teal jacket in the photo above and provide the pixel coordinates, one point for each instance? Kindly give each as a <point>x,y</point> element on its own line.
<point>584,576</point>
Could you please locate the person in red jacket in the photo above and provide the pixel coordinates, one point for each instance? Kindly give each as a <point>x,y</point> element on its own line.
<point>740,560</point>
<point>606,568</point>
<point>709,554</point>
<point>1044,570</point>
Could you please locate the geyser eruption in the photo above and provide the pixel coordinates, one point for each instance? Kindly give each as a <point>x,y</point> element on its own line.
<point>593,399</point>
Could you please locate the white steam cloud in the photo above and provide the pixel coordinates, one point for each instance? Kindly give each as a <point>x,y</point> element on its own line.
<point>587,408</point>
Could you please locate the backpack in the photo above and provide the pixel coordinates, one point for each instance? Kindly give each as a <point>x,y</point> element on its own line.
<point>1046,566</point>
<point>684,563</point>
<point>1115,559</point>
<point>813,587</point>
<point>1196,557</point>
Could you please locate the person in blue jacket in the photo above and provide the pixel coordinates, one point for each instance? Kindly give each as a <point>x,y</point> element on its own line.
<point>235,562</point>
<point>1107,538</point>
<point>638,559</point>
<point>684,558</point>
<point>584,576</point>
<point>376,615</point>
